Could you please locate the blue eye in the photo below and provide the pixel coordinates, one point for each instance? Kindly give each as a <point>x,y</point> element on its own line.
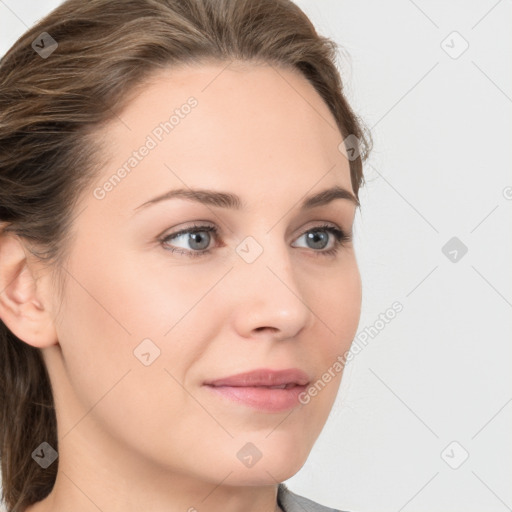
<point>198,237</point>
<point>318,238</point>
<point>197,240</point>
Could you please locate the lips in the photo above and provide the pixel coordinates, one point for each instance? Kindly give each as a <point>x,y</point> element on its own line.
<point>280,379</point>
<point>263,389</point>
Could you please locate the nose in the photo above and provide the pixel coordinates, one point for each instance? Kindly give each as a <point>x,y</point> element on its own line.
<point>269,301</point>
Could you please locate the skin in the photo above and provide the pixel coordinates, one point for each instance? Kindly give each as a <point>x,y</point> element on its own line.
<point>135,437</point>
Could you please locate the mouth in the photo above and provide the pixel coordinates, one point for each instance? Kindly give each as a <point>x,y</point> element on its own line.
<point>264,390</point>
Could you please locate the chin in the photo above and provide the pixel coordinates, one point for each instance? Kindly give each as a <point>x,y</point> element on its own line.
<point>266,462</point>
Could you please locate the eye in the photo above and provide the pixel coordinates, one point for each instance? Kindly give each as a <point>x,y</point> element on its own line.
<point>195,241</point>
<point>318,238</point>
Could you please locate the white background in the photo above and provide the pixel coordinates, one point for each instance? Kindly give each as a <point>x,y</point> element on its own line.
<point>440,371</point>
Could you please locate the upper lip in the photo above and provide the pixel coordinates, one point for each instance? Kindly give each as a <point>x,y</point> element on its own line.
<point>263,377</point>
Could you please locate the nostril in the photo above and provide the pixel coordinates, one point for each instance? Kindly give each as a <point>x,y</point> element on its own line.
<point>259,329</point>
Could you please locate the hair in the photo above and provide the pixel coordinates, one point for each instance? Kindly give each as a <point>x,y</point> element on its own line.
<point>50,109</point>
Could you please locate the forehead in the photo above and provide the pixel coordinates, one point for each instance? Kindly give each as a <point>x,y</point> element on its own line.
<point>253,128</point>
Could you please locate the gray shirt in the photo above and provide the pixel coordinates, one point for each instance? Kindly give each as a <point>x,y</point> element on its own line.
<point>291,502</point>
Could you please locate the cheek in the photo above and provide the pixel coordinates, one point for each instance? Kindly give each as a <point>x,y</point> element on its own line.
<point>336,303</point>
<point>105,316</point>
<point>154,295</point>
<point>94,337</point>
<point>338,307</point>
<point>118,309</point>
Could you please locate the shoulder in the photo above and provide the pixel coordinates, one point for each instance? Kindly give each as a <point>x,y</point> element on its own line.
<point>291,502</point>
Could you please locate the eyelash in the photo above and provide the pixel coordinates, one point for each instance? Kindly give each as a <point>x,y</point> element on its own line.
<point>341,239</point>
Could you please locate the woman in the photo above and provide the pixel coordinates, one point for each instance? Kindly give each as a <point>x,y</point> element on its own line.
<point>178,185</point>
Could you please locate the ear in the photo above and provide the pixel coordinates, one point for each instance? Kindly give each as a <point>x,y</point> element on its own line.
<point>24,301</point>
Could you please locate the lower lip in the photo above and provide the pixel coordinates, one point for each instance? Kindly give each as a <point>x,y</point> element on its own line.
<point>261,398</point>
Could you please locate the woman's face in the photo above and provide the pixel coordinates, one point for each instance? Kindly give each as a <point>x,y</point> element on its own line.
<point>145,322</point>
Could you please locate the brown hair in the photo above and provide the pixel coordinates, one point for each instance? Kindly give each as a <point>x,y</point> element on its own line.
<point>50,106</point>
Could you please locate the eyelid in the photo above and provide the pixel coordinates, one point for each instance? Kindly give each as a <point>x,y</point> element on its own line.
<point>198,226</point>
<point>319,224</point>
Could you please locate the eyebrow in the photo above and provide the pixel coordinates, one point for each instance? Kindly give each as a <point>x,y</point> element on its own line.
<point>228,200</point>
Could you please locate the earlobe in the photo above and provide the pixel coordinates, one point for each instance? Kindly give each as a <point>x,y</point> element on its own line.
<point>22,306</point>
